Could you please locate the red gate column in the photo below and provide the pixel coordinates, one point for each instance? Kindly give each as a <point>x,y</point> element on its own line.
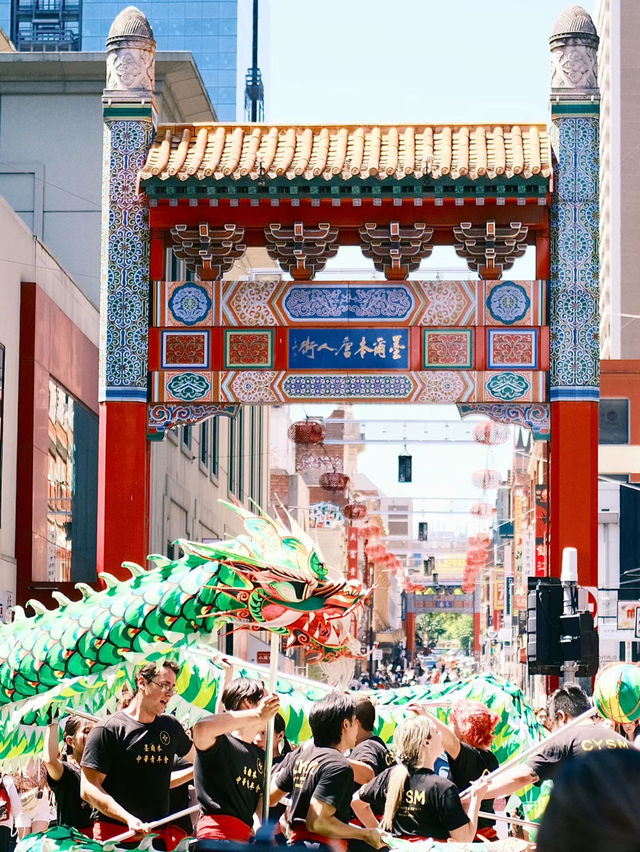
<point>129,121</point>
<point>573,288</point>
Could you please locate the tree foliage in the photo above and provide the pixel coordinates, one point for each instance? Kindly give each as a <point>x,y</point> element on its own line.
<point>448,627</point>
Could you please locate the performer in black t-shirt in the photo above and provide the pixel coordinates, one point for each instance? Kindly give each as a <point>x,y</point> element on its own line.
<point>281,748</point>
<point>415,801</point>
<point>229,768</point>
<point>369,749</point>
<point>63,775</point>
<point>566,703</point>
<point>467,742</point>
<point>128,760</point>
<point>319,779</point>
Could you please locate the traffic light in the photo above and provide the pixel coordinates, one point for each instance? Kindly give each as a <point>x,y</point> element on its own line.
<point>544,609</point>
<point>428,565</point>
<point>554,638</point>
<point>579,642</point>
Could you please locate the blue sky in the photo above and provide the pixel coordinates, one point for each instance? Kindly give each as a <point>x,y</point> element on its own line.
<point>414,61</point>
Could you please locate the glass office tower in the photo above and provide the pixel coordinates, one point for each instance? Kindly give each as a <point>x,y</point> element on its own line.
<point>217,32</point>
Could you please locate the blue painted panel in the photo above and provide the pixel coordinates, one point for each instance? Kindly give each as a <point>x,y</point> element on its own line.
<point>348,301</point>
<point>345,349</point>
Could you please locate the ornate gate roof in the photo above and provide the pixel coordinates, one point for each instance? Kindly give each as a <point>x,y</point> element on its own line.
<point>200,152</point>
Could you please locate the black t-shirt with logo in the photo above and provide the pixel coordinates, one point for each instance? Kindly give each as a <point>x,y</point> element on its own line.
<point>71,809</point>
<point>430,805</point>
<point>137,760</point>
<point>229,778</point>
<point>576,742</point>
<point>316,773</point>
<point>469,765</point>
<point>374,753</point>
<point>179,798</point>
<point>279,763</point>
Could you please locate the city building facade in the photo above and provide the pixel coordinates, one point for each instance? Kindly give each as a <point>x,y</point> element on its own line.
<point>217,32</point>
<point>49,334</point>
<point>618,23</point>
<point>51,195</point>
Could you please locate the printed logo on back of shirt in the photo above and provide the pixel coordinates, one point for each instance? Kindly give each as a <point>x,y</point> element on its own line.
<point>301,771</point>
<point>601,745</point>
<point>388,759</point>
<point>165,739</point>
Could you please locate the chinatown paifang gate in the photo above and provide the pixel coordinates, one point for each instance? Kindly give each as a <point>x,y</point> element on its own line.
<point>524,352</point>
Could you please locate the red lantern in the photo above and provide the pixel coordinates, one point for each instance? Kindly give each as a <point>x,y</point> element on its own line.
<point>480,540</point>
<point>369,532</point>
<point>374,551</point>
<point>482,510</point>
<point>476,557</point>
<point>490,433</point>
<point>486,479</point>
<point>469,580</point>
<point>334,481</point>
<point>307,432</point>
<point>354,511</point>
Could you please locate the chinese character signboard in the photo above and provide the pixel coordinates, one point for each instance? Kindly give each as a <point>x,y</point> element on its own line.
<point>340,349</point>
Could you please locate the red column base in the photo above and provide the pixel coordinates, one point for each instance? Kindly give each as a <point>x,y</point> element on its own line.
<point>573,479</point>
<point>123,486</point>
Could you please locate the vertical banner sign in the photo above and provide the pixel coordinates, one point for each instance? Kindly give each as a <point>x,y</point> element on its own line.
<point>499,591</point>
<point>542,527</point>
<point>520,588</point>
<point>508,601</point>
<point>352,553</point>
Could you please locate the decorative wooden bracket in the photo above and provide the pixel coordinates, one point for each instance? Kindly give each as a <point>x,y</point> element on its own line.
<point>209,252</point>
<point>396,250</point>
<point>487,249</point>
<point>301,251</point>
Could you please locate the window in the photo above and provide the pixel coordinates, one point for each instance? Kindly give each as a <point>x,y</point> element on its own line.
<point>614,421</point>
<point>236,447</point>
<point>259,444</point>
<point>215,446</point>
<point>204,443</point>
<point>186,436</point>
<point>72,505</point>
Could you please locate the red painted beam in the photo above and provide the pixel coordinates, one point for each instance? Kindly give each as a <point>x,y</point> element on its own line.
<point>574,487</point>
<point>347,217</point>
<point>123,486</point>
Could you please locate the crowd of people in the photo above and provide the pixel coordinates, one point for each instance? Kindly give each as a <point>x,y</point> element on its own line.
<point>394,674</point>
<point>343,788</point>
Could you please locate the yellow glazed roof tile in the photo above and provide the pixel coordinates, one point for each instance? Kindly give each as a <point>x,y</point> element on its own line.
<point>219,151</point>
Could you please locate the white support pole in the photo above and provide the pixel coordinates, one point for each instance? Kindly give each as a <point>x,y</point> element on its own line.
<point>268,756</point>
<point>126,835</point>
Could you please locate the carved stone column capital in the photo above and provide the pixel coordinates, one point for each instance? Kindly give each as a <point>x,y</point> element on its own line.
<point>574,55</point>
<point>131,50</point>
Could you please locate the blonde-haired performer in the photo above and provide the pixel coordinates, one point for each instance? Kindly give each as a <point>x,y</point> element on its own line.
<point>415,801</point>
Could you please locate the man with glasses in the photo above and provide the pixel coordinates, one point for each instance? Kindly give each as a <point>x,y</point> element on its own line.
<point>128,759</point>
